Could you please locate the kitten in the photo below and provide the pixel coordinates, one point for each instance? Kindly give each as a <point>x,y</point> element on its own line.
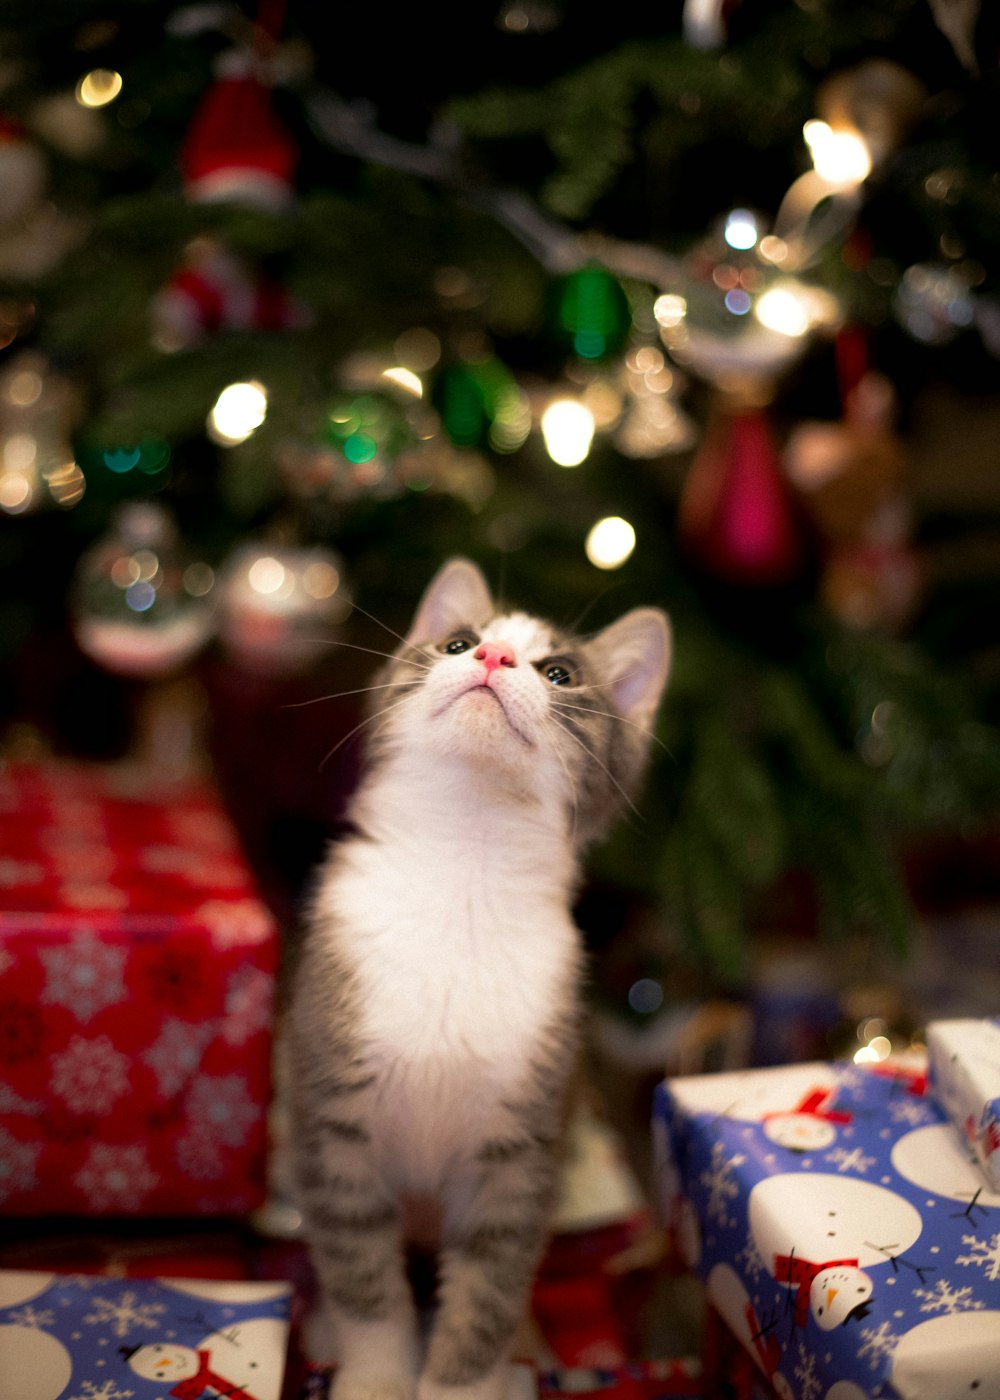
<point>434,1017</point>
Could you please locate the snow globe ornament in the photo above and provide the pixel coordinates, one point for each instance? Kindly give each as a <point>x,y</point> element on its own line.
<point>733,315</point>
<point>280,605</point>
<point>140,606</point>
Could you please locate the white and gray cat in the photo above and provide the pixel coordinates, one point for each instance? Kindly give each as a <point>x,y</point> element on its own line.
<point>435,1011</point>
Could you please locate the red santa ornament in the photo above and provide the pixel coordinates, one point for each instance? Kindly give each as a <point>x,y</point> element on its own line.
<point>215,289</point>
<point>236,148</point>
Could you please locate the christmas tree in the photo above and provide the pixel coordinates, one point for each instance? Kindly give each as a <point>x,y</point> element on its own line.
<point>628,308</point>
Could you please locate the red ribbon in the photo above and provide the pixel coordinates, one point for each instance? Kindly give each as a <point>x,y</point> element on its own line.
<point>812,1105</point>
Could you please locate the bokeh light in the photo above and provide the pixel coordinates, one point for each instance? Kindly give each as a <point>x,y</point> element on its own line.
<point>98,87</point>
<point>610,542</point>
<point>568,431</point>
<point>741,229</point>
<point>839,157</point>
<point>239,411</point>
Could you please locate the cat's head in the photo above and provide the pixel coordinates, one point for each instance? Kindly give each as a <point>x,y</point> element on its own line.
<point>517,698</point>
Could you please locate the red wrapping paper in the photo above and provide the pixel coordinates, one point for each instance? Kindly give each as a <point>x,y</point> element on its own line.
<point>137,973</point>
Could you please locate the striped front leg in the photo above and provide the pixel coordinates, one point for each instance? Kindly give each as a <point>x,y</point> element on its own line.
<point>355,1234</point>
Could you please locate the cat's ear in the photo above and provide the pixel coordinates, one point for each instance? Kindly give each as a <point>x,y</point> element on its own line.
<point>457,596</point>
<point>634,653</point>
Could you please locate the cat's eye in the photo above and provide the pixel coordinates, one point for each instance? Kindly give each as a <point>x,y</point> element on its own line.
<point>558,672</point>
<point>460,642</point>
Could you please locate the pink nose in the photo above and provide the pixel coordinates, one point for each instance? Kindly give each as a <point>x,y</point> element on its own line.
<point>494,654</point>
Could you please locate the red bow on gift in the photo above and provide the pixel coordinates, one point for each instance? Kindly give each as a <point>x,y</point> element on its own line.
<point>800,1273</point>
<point>195,1386</point>
<point>813,1105</point>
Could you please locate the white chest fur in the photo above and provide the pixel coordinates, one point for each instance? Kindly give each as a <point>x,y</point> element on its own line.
<point>463,953</point>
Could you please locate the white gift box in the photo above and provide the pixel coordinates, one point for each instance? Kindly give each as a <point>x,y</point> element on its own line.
<point>965,1076</point>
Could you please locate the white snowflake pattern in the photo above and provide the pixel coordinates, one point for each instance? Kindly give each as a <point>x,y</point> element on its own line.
<point>84,863</point>
<point>752,1262</point>
<point>805,1374</point>
<point>85,894</point>
<point>116,1178</point>
<point>911,1111</point>
<point>169,860</point>
<point>201,1158</point>
<point>718,1180</point>
<point>945,1299</point>
<point>850,1160</point>
<point>985,1253</point>
<point>222,1108</point>
<point>879,1342</point>
<point>29,1316</point>
<point>84,974</point>
<point>20,872</point>
<point>249,1005</point>
<point>13,1103</point>
<point>102,1390</point>
<point>90,1075</point>
<point>125,1313</point>
<point>175,1055</point>
<point>235,923</point>
<point>17,1165</point>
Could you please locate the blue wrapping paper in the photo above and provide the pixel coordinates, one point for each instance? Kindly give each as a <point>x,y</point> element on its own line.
<point>89,1337</point>
<point>843,1231</point>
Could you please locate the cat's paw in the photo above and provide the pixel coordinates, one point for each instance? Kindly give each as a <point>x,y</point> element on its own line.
<point>505,1382</point>
<point>360,1383</point>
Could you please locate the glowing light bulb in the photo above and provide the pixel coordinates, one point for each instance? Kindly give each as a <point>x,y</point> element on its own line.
<point>741,229</point>
<point>98,88</point>
<point>568,430</point>
<point>267,575</point>
<point>405,379</point>
<point>15,493</point>
<point>320,580</point>
<point>610,542</point>
<point>782,309</point>
<point>239,411</point>
<point>669,310</point>
<point>839,157</point>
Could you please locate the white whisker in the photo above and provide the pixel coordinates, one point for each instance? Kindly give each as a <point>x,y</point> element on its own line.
<point>603,766</point>
<point>340,694</point>
<point>386,709</point>
<point>569,777</point>
<point>392,633</point>
<point>386,655</point>
<point>611,714</point>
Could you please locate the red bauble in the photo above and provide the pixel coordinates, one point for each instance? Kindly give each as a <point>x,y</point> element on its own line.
<point>738,519</point>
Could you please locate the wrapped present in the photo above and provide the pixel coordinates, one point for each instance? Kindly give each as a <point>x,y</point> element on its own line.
<point>636,1380</point>
<point>965,1075</point>
<point>94,1338</point>
<point>845,1239</point>
<point>136,1001</point>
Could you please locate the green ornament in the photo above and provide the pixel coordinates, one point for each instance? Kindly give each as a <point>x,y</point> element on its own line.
<point>592,313</point>
<point>480,404</point>
<point>368,429</point>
